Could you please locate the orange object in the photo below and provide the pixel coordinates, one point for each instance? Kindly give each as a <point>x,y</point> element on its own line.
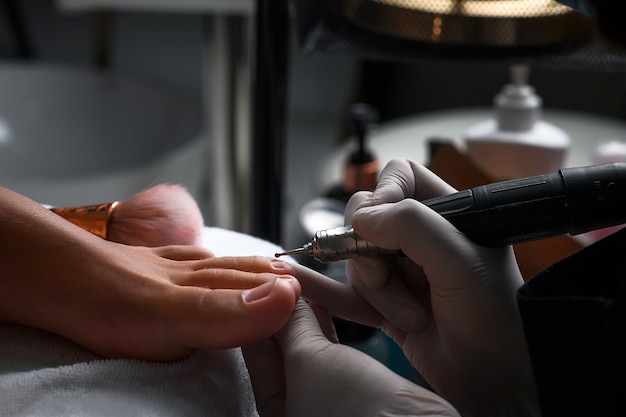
<point>160,215</point>
<point>360,177</point>
<point>532,257</point>
<point>94,218</point>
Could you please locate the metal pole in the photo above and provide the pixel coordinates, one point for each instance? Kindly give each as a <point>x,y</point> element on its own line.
<point>269,117</point>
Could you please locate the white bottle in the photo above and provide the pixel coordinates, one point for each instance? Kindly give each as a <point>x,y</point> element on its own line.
<point>517,143</point>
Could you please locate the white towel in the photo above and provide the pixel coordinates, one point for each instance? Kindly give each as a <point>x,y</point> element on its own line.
<point>44,375</point>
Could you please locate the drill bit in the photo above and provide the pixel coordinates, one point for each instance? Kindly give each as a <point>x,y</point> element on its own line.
<point>337,244</point>
<point>297,251</point>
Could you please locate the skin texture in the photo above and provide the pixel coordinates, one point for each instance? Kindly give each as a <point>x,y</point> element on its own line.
<point>130,301</point>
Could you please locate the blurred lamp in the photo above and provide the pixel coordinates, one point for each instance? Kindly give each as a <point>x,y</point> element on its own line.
<point>474,23</point>
<point>540,32</point>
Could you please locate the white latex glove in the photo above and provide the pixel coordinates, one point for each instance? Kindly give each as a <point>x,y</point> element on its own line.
<point>450,304</point>
<point>302,373</point>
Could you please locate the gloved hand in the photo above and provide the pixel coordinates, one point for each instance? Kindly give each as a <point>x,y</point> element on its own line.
<point>302,373</point>
<point>450,304</point>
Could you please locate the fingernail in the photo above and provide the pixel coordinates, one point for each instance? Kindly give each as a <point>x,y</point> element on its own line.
<point>278,264</point>
<point>293,282</point>
<point>260,292</point>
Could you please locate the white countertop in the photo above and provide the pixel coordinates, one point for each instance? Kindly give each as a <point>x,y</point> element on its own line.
<point>407,137</point>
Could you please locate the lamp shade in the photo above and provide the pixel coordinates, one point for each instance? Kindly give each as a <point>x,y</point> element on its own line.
<point>471,23</point>
<point>541,32</point>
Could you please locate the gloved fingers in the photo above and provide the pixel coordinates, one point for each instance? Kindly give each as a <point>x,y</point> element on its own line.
<point>264,361</point>
<point>371,277</point>
<point>430,241</point>
<point>325,321</point>
<point>354,203</point>
<point>398,303</point>
<point>336,297</point>
<point>302,332</point>
<point>374,271</point>
<point>402,178</point>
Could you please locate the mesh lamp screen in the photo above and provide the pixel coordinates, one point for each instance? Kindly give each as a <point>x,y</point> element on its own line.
<point>493,23</point>
<point>544,32</point>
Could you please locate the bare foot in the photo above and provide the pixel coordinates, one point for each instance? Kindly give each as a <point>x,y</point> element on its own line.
<point>127,301</point>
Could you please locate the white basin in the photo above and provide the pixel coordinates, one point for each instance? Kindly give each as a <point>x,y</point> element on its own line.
<point>73,136</point>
